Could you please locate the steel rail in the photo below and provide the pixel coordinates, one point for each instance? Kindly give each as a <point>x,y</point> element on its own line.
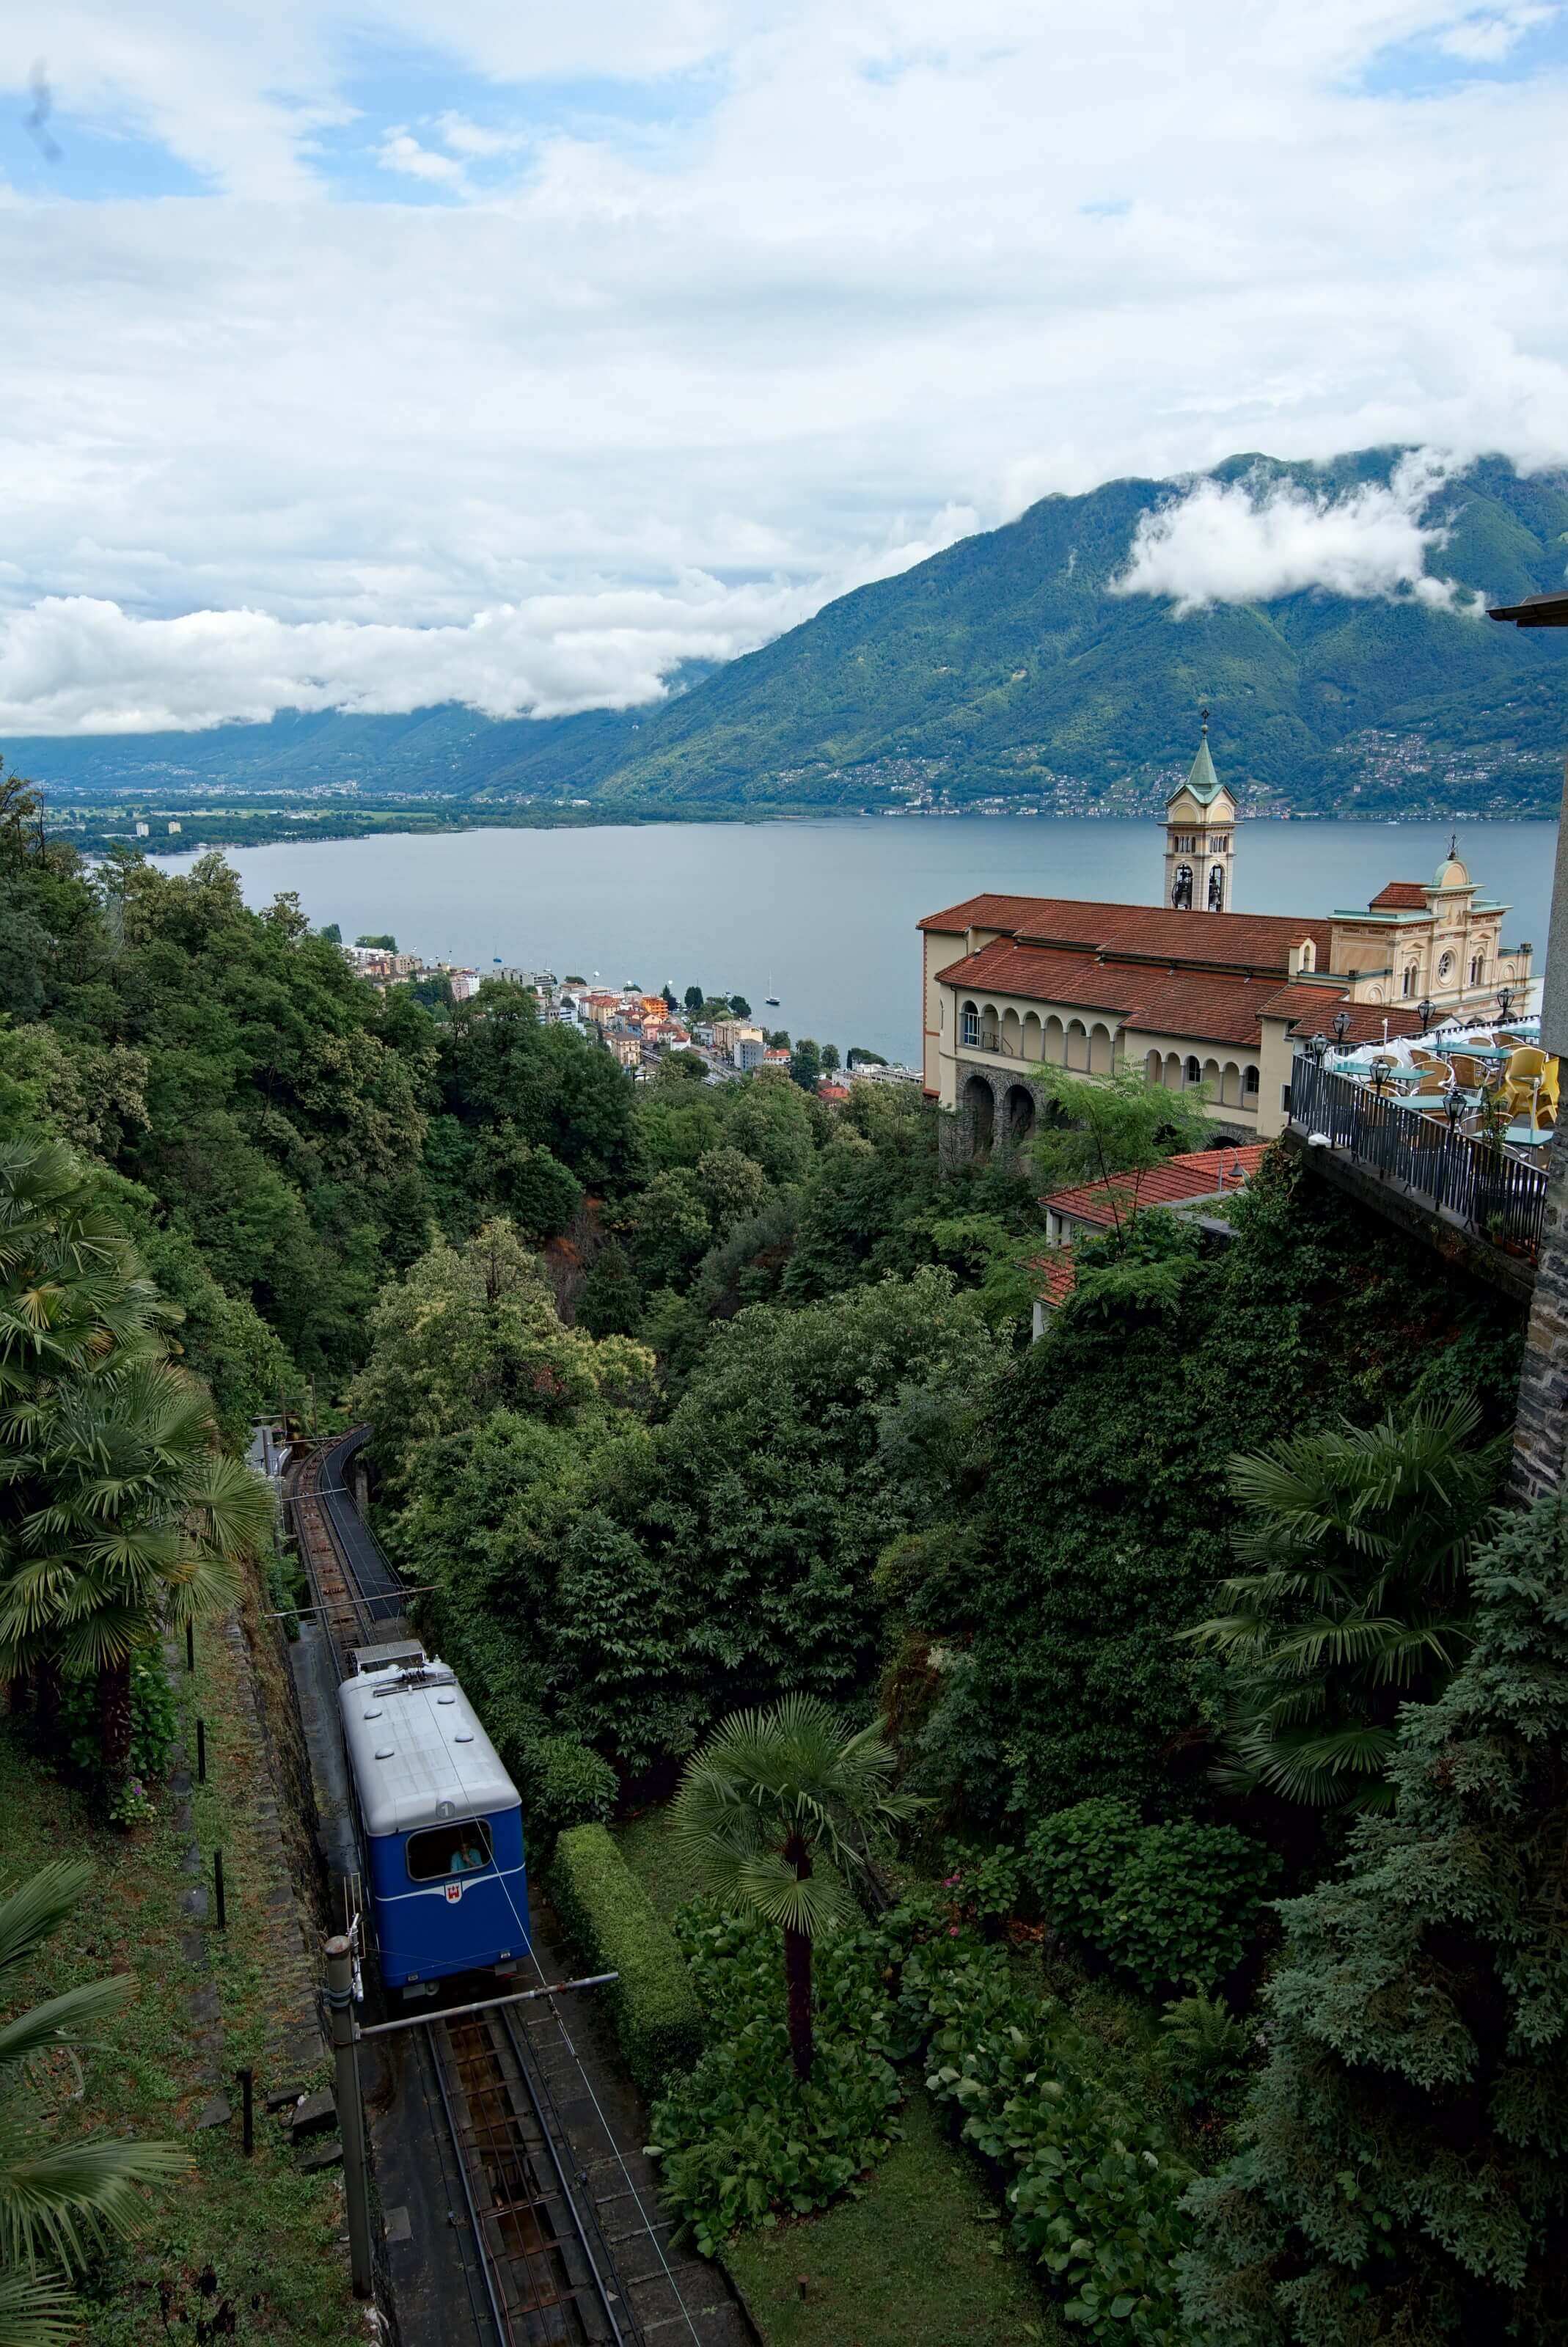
<point>529,2266</point>
<point>549,2127</point>
<point>476,2222</point>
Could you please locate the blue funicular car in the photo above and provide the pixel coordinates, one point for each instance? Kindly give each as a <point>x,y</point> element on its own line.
<point>440,1823</point>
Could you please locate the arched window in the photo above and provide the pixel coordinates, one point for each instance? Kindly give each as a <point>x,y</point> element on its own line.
<point>1477,963</point>
<point>1216,888</point>
<point>1249,1085</point>
<point>1195,1071</point>
<point>1408,981</point>
<point>1182,888</point>
<point>971,1032</point>
<point>1153,1069</point>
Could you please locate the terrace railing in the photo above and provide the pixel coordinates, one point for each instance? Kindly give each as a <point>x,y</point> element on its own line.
<point>1472,1182</point>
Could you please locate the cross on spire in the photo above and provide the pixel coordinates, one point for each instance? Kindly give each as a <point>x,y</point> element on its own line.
<point>1204,714</point>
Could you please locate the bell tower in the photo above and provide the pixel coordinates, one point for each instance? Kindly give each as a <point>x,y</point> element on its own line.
<point>1200,838</point>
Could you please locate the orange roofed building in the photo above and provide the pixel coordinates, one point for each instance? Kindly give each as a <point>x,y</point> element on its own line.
<point>1193,995</point>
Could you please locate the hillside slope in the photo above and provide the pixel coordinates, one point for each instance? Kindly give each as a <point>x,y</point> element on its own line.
<point>1006,666</point>
<point>1005,663</point>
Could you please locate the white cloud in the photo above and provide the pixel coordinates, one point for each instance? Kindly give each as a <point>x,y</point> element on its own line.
<point>401,151</point>
<point>1259,539</point>
<point>465,138</point>
<point>74,664</point>
<point>1489,36</point>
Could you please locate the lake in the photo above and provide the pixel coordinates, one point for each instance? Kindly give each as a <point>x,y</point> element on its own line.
<point>823,914</point>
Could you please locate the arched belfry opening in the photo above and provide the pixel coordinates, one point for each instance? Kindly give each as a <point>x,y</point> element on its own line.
<point>1200,838</point>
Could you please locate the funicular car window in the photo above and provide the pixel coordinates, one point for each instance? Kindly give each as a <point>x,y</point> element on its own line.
<point>461,1848</point>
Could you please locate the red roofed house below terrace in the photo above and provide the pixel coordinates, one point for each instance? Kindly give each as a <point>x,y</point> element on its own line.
<point>1192,993</point>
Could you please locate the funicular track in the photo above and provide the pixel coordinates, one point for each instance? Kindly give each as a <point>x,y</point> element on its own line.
<point>569,2248</point>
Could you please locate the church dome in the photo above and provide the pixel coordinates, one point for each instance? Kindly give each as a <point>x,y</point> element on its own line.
<point>1451,873</point>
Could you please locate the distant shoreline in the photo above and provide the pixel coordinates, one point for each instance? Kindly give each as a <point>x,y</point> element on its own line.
<point>289,827</point>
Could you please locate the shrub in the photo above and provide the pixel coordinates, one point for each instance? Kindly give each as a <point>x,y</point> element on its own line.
<point>1169,1903</point>
<point>1204,2052</point>
<point>1074,1859</point>
<point>614,1927</point>
<point>154,1720</point>
<point>1095,2190</point>
<point>984,1883</point>
<point>564,1783</point>
<point>1187,1906</point>
<point>742,2137</point>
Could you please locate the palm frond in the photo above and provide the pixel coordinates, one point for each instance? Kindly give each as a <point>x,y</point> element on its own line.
<point>35,1908</point>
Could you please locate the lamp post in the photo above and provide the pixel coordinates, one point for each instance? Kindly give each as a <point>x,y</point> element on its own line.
<point>1341,1027</point>
<point>1426,1011</point>
<point>1504,996</point>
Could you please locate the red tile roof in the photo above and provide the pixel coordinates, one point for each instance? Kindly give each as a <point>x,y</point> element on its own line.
<point>1400,897</point>
<point>1194,1173</point>
<point>1058,1275</point>
<point>1204,1005</point>
<point>833,1093</point>
<point>1258,941</point>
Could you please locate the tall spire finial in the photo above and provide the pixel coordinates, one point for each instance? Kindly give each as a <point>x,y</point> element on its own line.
<point>1204,714</point>
<point>1453,842</point>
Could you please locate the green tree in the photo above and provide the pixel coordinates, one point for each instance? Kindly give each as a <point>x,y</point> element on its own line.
<point>777,1040</point>
<point>610,1303</point>
<point>830,1059</point>
<point>1357,1600</point>
<point>473,1330</point>
<point>694,1000</point>
<point>733,1187</point>
<point>387,944</point>
<point>740,1007</point>
<point>859,1057</point>
<point>781,1811</point>
<point>331,934</point>
<point>60,2201</point>
<point>670,1228</point>
<point>1403,2170</point>
<point>805,1064</point>
<point>668,992</point>
<point>1121,1123</point>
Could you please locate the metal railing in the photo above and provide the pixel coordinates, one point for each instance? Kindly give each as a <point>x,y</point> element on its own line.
<point>1474,1181</point>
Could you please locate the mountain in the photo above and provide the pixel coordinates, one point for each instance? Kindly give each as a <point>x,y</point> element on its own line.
<point>1005,666</point>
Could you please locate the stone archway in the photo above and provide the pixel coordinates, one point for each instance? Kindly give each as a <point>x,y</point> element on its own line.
<point>1017,1114</point>
<point>978,1102</point>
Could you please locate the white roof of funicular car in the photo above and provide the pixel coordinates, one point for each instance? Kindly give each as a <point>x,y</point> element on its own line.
<point>418,1751</point>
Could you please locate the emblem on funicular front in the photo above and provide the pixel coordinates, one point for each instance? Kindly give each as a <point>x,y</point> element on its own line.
<point>453,1892</point>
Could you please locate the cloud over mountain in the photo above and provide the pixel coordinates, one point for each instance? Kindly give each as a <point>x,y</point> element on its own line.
<point>1262,537</point>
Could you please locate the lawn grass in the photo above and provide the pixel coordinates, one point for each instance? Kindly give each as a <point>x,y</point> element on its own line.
<point>268,2236</point>
<point>920,2261</point>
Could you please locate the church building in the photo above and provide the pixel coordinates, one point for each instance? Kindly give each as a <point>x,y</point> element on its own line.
<point>1191,992</point>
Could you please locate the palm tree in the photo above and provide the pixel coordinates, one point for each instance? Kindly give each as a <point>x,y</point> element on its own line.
<point>782,1809</point>
<point>117,1509</point>
<point>59,2201</point>
<point>1357,1600</point>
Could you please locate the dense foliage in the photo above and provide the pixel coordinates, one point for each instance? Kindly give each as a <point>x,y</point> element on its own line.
<point>743,2137</point>
<point>1403,2173</point>
<point>1037,1663</point>
<point>1175,1905</point>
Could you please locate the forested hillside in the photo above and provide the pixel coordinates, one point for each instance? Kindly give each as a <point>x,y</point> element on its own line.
<point>1006,666</point>
<point>691,1400</point>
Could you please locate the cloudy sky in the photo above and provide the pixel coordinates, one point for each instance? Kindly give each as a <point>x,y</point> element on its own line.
<point>513,352</point>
